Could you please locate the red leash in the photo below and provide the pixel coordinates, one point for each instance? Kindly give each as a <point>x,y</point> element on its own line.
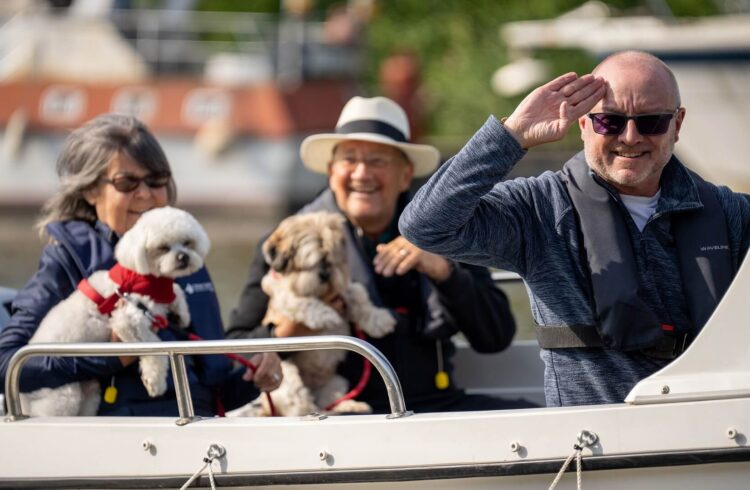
<point>247,364</point>
<point>363,380</point>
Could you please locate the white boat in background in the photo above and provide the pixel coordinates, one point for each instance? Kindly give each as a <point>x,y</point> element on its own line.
<point>684,427</point>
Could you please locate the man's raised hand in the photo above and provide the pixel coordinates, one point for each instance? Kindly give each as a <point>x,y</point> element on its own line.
<point>548,111</point>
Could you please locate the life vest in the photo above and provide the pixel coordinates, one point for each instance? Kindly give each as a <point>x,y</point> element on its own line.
<point>623,320</point>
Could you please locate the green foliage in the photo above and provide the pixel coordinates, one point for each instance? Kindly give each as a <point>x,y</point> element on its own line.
<point>260,6</point>
<point>693,8</point>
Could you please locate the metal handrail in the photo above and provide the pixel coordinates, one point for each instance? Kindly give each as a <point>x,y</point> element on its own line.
<point>176,352</point>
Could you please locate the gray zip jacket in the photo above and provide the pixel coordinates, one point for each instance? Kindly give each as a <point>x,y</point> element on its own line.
<point>528,225</point>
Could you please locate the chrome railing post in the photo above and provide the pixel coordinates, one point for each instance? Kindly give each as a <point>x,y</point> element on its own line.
<point>12,392</point>
<point>182,389</point>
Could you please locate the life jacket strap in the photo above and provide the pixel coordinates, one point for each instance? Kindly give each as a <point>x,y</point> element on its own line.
<point>670,346</point>
<point>567,336</point>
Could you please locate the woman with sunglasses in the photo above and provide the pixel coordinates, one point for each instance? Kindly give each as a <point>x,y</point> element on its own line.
<point>111,171</point>
<point>625,252</point>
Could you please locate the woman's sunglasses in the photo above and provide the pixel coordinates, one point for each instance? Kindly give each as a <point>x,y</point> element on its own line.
<point>128,183</point>
<point>608,123</point>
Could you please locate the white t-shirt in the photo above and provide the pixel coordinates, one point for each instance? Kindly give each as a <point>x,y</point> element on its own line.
<point>641,208</point>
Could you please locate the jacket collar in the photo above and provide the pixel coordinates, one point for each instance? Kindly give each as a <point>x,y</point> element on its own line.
<point>679,190</point>
<point>90,244</point>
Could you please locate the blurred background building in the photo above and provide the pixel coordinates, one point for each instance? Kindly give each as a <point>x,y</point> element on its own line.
<point>229,95</point>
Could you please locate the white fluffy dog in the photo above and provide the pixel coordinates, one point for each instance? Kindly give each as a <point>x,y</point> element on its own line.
<point>307,255</point>
<point>165,243</point>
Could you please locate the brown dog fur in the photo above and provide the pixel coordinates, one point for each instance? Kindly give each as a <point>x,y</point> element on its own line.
<point>307,255</point>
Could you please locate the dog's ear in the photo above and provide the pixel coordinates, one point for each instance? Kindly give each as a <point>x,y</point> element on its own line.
<point>269,248</point>
<point>202,242</point>
<point>332,233</point>
<point>280,262</point>
<point>131,251</point>
<point>273,251</point>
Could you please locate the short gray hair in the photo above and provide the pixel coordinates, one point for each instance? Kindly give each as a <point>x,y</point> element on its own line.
<point>84,159</point>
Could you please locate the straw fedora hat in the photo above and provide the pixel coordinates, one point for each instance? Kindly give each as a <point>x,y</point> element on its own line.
<point>376,119</point>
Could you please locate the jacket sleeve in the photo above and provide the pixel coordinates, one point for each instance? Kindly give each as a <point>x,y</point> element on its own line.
<point>463,213</point>
<point>52,283</point>
<point>471,301</point>
<point>245,320</point>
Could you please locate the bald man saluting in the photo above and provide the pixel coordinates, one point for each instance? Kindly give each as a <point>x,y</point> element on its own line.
<point>625,252</point>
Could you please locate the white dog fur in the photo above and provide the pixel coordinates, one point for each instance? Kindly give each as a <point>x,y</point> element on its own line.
<point>307,255</point>
<point>164,242</point>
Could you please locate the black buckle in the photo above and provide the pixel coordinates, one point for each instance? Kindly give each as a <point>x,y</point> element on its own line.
<point>670,346</point>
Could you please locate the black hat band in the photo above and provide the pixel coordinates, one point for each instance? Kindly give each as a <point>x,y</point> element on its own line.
<point>372,126</point>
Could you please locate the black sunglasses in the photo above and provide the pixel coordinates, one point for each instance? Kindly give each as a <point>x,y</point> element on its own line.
<point>128,183</point>
<point>608,123</point>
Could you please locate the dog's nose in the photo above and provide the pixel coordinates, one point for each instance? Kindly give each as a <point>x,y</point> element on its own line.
<point>183,260</point>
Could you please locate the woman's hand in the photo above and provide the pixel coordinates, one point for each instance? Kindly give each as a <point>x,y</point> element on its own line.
<point>268,375</point>
<point>399,256</point>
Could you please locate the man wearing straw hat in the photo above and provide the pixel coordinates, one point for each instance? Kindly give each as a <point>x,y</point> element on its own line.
<point>370,163</point>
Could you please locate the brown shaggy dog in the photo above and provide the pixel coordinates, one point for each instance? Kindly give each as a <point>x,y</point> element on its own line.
<point>307,255</point>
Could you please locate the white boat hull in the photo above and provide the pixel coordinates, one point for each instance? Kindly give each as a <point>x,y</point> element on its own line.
<point>681,445</point>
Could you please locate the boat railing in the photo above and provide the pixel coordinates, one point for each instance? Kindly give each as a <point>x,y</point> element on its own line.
<point>176,351</point>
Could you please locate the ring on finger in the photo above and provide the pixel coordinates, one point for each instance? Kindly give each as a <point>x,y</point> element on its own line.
<point>276,377</point>
<point>402,252</point>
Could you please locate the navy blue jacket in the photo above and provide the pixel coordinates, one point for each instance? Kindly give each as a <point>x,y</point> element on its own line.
<point>76,250</point>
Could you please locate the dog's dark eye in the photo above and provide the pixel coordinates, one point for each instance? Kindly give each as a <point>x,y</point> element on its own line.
<point>188,243</point>
<point>163,248</point>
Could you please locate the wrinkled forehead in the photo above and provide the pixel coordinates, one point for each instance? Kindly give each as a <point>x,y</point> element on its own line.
<point>636,88</point>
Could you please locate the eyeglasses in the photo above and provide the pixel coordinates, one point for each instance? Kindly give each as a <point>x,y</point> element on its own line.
<point>128,183</point>
<point>376,162</point>
<point>608,123</point>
